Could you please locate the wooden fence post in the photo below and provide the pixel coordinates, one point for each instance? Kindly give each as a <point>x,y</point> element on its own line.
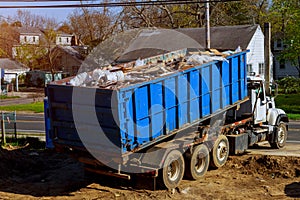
<point>3,130</point>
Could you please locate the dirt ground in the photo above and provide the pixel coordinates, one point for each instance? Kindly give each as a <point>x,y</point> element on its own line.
<point>36,174</point>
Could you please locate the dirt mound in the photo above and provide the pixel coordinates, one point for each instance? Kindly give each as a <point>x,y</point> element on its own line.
<point>27,173</point>
<point>35,171</point>
<point>11,161</point>
<point>284,167</point>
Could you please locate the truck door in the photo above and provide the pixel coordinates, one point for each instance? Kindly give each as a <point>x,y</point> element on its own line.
<point>260,114</point>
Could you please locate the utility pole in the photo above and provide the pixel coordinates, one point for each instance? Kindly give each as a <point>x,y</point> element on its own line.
<point>207,25</point>
<point>267,47</point>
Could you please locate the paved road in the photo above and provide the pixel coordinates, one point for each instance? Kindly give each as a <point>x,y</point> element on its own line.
<point>30,123</point>
<point>294,132</point>
<point>292,147</point>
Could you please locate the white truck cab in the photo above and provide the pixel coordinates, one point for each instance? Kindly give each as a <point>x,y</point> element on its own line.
<point>265,114</point>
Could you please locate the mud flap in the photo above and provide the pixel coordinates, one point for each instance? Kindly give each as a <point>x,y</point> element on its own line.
<point>238,143</point>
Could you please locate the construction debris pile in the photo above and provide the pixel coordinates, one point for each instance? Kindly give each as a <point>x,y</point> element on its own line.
<point>114,77</point>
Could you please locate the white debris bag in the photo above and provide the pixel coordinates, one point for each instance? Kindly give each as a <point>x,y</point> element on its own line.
<point>79,79</point>
<point>114,76</point>
<point>201,59</point>
<point>139,62</point>
<point>98,74</point>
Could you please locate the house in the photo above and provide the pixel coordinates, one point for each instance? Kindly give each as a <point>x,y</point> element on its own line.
<point>64,39</point>
<point>33,48</point>
<point>12,70</point>
<point>282,67</point>
<point>29,41</point>
<point>247,37</point>
<point>29,35</point>
<point>67,59</point>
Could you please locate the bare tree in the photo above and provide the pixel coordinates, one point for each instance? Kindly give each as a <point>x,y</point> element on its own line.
<point>164,16</point>
<point>92,26</point>
<point>26,18</point>
<point>193,15</point>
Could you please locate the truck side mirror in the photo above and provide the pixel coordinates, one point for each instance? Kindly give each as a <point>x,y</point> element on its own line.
<point>274,90</point>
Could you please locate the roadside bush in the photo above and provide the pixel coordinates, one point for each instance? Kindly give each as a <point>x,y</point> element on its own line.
<point>27,80</point>
<point>289,85</point>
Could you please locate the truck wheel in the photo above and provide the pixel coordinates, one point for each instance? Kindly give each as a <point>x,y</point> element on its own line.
<point>173,170</point>
<point>281,134</point>
<point>197,163</point>
<point>219,152</point>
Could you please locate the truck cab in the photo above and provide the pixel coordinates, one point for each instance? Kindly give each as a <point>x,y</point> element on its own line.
<point>268,122</point>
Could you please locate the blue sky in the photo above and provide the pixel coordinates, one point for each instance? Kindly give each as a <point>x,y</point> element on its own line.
<point>60,14</point>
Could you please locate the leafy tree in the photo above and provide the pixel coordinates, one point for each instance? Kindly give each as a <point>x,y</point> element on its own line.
<point>285,18</point>
<point>30,55</point>
<point>239,12</point>
<point>8,38</point>
<point>65,28</point>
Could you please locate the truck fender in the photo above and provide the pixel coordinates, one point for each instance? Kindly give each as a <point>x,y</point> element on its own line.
<point>275,115</point>
<point>155,157</point>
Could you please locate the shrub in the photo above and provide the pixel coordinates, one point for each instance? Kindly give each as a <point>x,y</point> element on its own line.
<point>289,85</point>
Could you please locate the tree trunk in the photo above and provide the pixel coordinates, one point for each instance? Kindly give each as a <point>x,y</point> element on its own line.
<point>298,68</point>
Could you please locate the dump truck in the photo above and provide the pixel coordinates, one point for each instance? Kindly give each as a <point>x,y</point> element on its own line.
<point>167,117</point>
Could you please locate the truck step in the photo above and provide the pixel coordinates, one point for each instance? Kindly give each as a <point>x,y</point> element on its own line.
<point>260,130</point>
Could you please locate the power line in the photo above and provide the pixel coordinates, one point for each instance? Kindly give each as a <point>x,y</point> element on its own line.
<point>116,4</point>
<point>37,1</point>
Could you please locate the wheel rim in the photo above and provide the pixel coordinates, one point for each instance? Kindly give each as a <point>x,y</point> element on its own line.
<point>200,164</point>
<point>281,134</point>
<point>173,170</point>
<point>222,151</point>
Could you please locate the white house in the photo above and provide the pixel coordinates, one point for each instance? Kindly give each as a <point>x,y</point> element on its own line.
<point>29,35</point>
<point>64,39</point>
<point>247,37</point>
<point>12,70</point>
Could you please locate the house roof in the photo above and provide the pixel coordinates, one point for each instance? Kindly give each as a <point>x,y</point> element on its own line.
<point>8,64</point>
<point>62,34</point>
<point>70,51</point>
<point>224,37</point>
<point>29,31</point>
<point>152,42</point>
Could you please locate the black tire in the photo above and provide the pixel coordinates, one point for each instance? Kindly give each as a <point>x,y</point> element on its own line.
<point>197,162</point>
<point>281,134</point>
<point>173,170</point>
<point>220,152</point>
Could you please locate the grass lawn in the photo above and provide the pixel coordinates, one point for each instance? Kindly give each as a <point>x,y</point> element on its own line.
<point>8,97</point>
<point>37,107</point>
<point>290,103</point>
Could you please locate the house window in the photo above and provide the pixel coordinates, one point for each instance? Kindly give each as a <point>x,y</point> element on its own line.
<point>59,39</point>
<point>282,64</point>
<point>279,43</point>
<point>261,68</point>
<point>25,39</point>
<point>67,40</point>
<point>249,68</point>
<point>33,39</point>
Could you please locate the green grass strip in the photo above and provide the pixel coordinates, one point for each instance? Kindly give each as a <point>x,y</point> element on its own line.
<point>37,107</point>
